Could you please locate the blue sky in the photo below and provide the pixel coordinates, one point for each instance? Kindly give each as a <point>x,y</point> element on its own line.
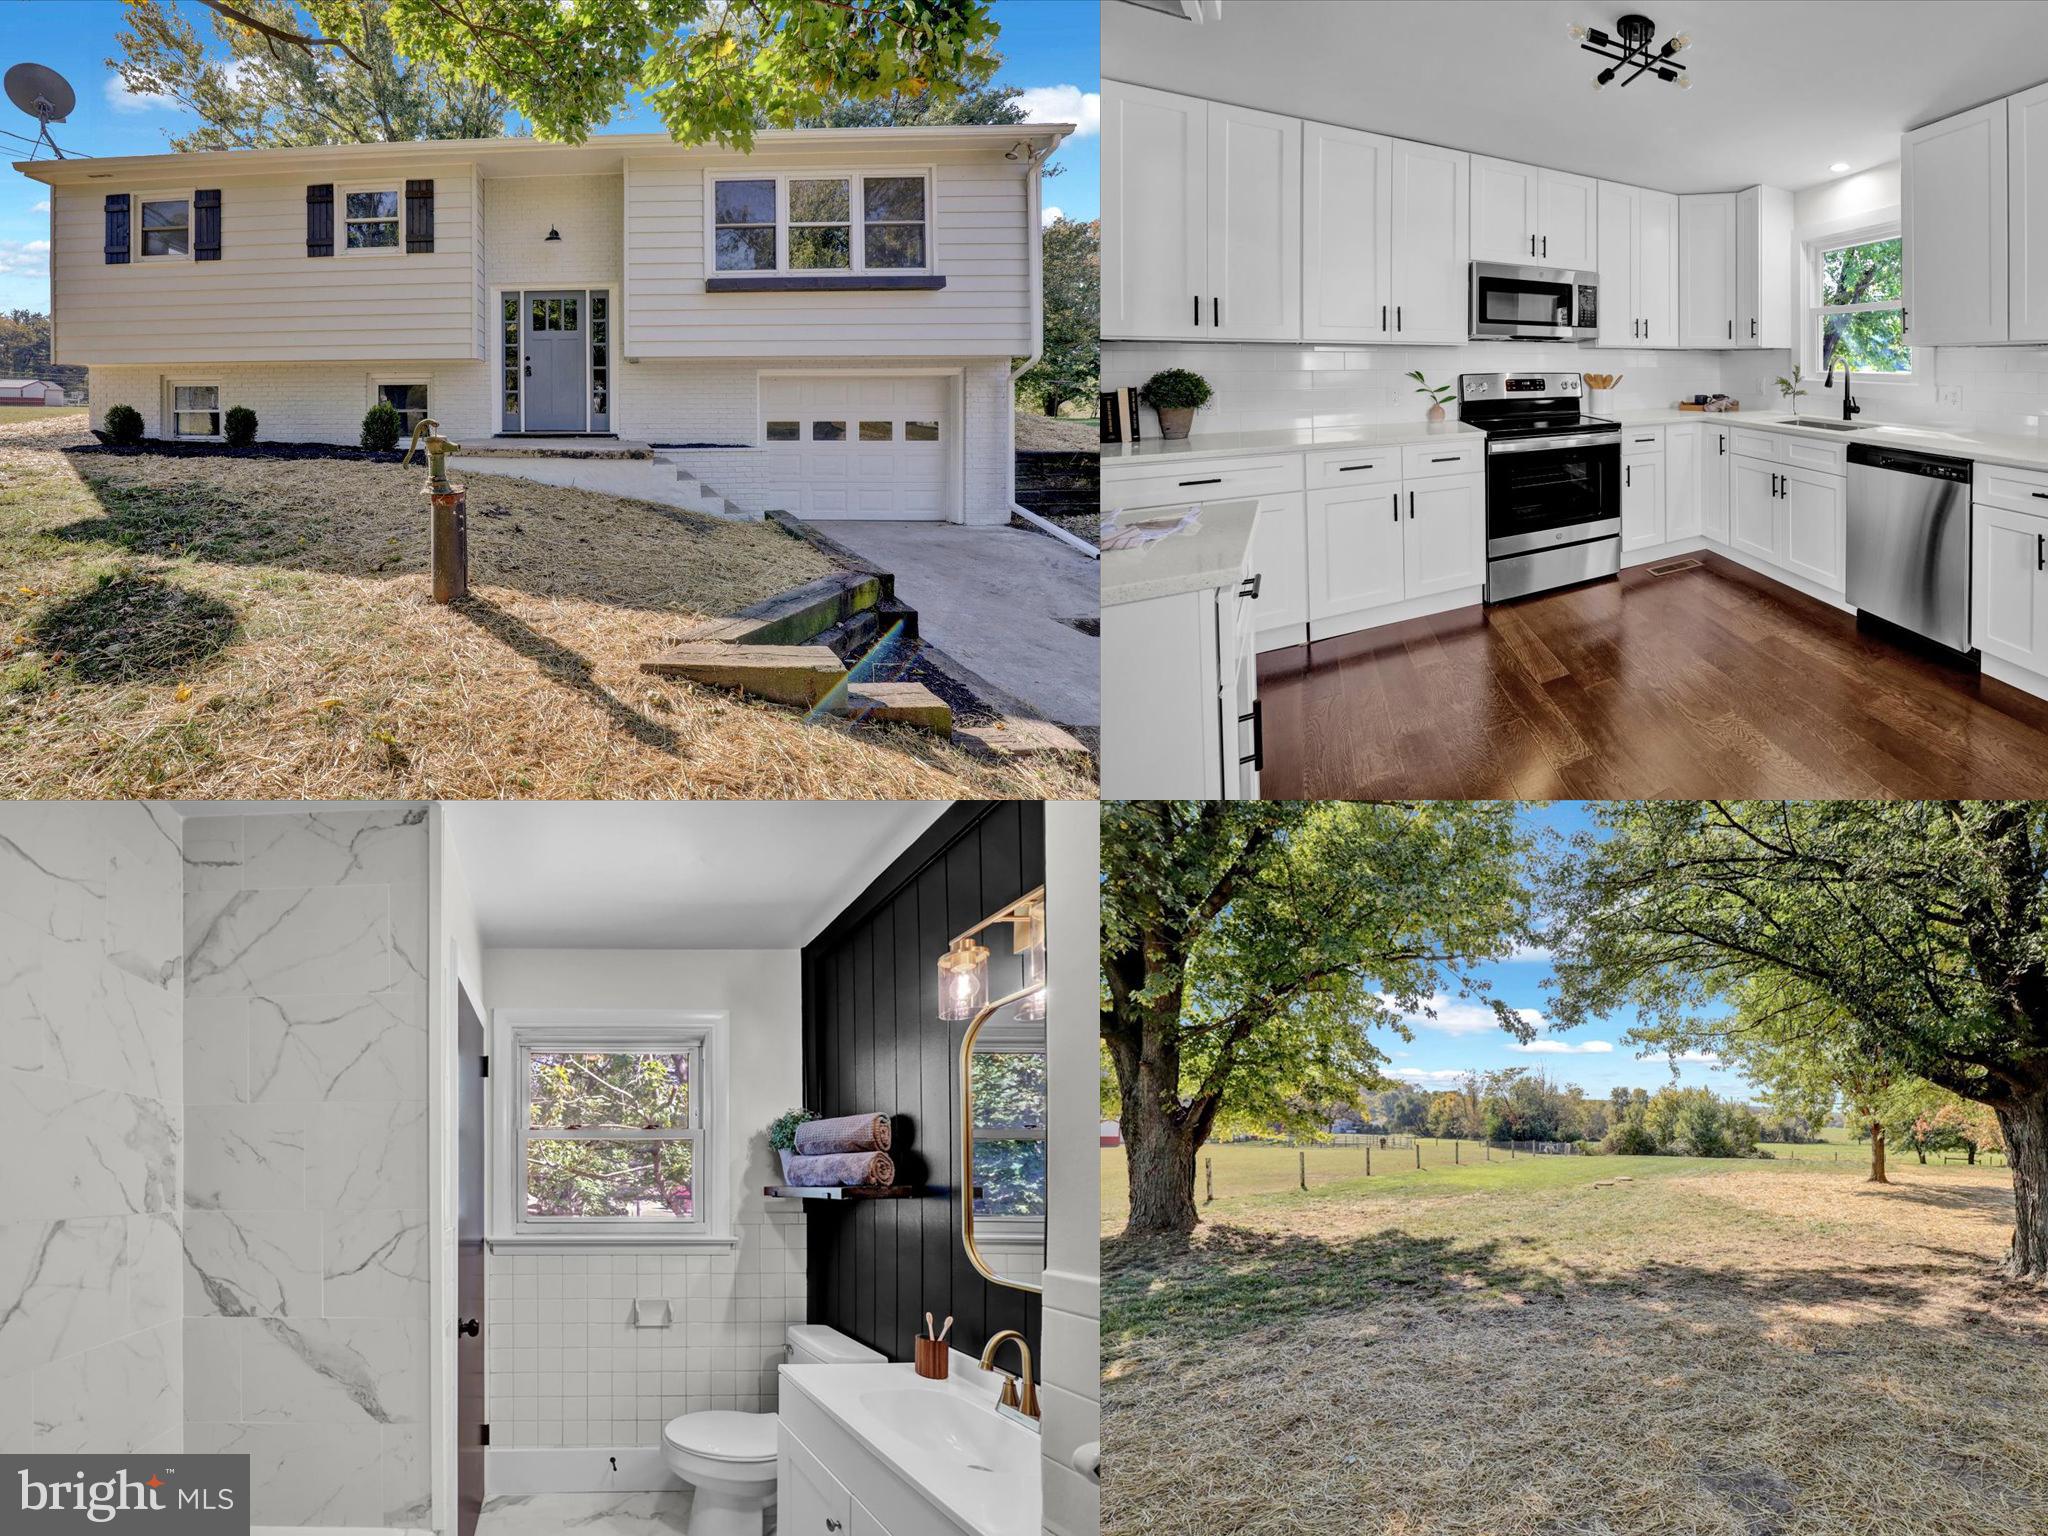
<point>1464,1037</point>
<point>1051,50</point>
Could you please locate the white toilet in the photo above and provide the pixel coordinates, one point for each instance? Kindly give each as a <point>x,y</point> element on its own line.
<point>729,1458</point>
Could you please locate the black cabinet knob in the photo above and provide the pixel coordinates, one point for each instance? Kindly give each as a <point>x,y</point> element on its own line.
<point>469,1326</point>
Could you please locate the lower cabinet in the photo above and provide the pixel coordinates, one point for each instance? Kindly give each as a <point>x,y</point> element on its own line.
<point>1815,507</point>
<point>1180,710</point>
<point>1682,482</point>
<point>2009,586</point>
<point>1280,556</point>
<point>1753,508</point>
<point>1376,546</point>
<point>809,1501</point>
<point>1715,460</point>
<point>1642,502</point>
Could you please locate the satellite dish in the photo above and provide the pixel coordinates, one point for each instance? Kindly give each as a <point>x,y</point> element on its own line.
<point>45,96</point>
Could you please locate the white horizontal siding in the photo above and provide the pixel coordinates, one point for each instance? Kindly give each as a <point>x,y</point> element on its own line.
<point>266,300</point>
<point>980,245</point>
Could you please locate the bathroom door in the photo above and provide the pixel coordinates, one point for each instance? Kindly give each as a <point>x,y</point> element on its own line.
<point>469,1270</point>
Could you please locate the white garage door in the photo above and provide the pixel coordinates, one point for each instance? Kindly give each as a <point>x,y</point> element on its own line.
<point>870,446</point>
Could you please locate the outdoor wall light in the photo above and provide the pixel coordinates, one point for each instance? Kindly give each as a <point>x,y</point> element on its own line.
<point>553,234</point>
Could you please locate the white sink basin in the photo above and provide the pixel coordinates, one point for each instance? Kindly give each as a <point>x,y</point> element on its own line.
<point>942,1424</point>
<point>1821,422</point>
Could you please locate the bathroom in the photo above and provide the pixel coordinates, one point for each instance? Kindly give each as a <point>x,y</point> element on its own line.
<point>433,1158</point>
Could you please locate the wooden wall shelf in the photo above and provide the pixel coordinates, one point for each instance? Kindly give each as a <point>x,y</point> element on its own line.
<point>840,1192</point>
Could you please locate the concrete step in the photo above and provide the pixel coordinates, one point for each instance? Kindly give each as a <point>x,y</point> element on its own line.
<point>1019,737</point>
<point>802,613</point>
<point>900,703</point>
<point>801,675</point>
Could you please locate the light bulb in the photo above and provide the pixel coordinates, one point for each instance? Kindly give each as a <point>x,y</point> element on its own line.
<point>1685,82</point>
<point>1681,42</point>
<point>1839,166</point>
<point>1600,80</point>
<point>1578,32</point>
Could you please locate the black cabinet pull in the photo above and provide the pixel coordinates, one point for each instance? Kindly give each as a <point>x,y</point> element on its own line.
<point>1383,317</point>
<point>1198,309</point>
<point>1249,587</point>
<point>1646,439</point>
<point>1258,722</point>
<point>1752,328</point>
<point>1213,480</point>
<point>1546,245</point>
<point>1646,330</point>
<point>1635,329</point>
<point>1723,436</point>
<point>1411,506</point>
<point>2039,495</point>
<point>1628,474</point>
<point>2041,551</point>
<point>1215,311</point>
<point>1532,245</point>
<point>1397,506</point>
<point>1731,330</point>
<point>1449,458</point>
<point>1397,317</point>
<point>1345,469</point>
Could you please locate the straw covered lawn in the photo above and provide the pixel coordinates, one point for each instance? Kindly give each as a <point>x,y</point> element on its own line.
<point>1711,1348</point>
<point>245,628</point>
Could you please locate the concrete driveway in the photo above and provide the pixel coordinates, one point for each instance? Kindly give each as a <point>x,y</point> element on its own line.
<point>994,600</point>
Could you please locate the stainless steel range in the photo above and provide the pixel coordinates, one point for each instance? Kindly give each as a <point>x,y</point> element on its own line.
<point>1553,481</point>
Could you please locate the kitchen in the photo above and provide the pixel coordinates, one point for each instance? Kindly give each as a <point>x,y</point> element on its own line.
<point>1582,404</point>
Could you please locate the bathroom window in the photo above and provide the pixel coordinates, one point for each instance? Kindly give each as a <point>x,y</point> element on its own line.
<point>609,1131</point>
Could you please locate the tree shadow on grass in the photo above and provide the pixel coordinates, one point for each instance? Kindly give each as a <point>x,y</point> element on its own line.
<point>566,667</point>
<point>134,629</point>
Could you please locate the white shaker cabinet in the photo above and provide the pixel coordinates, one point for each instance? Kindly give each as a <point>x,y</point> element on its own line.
<point>1638,265</point>
<point>1706,270</point>
<point>1155,216</point>
<point>1534,217</point>
<point>1567,220</point>
<point>1432,244</point>
<point>2009,586</point>
<point>1715,460</point>
<point>2027,213</point>
<point>1280,560</point>
<point>1656,284</point>
<point>1753,508</point>
<point>1347,225</point>
<point>1682,482</point>
<point>1445,537</point>
<point>1355,559</point>
<point>1180,710</point>
<point>1642,501</point>
<point>1254,279</point>
<point>1953,206</point>
<point>1813,505</point>
<point>1763,268</point>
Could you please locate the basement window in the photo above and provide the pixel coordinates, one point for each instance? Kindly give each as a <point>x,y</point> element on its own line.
<point>195,410</point>
<point>408,398</point>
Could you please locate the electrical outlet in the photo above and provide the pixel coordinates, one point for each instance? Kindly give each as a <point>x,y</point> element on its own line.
<point>1949,394</point>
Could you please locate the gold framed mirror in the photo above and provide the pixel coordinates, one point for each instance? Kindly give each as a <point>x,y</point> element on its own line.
<point>1004,1111</point>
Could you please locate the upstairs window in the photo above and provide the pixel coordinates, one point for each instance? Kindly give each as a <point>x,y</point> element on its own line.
<point>1858,318</point>
<point>167,227</point>
<point>370,217</point>
<point>825,224</point>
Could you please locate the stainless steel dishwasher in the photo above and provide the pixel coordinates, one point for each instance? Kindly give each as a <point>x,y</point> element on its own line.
<point>1909,541</point>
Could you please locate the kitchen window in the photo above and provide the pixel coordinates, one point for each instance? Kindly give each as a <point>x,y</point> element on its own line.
<point>848,223</point>
<point>195,410</point>
<point>609,1128</point>
<point>370,219</point>
<point>1857,316</point>
<point>166,227</point>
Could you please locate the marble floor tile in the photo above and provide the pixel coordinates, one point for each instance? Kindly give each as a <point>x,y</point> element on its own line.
<point>252,1263</point>
<point>276,943</point>
<point>383,846</point>
<point>340,1048</point>
<point>587,1514</point>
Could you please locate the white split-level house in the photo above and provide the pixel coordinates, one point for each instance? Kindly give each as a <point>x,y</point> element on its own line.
<point>828,325</point>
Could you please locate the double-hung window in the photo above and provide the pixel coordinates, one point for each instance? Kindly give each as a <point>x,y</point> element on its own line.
<point>370,219</point>
<point>1009,1097</point>
<point>810,223</point>
<point>409,399</point>
<point>195,410</point>
<point>607,1128</point>
<point>1857,317</point>
<point>166,227</point>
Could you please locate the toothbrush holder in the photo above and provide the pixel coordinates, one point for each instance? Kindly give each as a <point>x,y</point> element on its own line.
<point>934,1358</point>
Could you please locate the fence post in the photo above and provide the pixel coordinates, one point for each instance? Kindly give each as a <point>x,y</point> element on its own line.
<point>1418,1154</point>
<point>1368,1160</point>
<point>1454,1150</point>
<point>1209,1179</point>
<point>1304,1169</point>
<point>1488,1147</point>
<point>1511,1151</point>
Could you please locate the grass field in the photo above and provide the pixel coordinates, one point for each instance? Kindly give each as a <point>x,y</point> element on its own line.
<point>41,413</point>
<point>1530,1348</point>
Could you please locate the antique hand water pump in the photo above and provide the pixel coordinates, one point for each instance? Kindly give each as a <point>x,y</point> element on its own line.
<point>449,536</point>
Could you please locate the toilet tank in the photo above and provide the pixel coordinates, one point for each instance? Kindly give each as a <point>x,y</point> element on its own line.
<point>815,1344</point>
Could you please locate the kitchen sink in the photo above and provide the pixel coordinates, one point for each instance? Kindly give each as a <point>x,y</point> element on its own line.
<point>1819,421</point>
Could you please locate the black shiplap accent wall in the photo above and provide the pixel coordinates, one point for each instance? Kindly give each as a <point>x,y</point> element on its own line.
<point>873,1041</point>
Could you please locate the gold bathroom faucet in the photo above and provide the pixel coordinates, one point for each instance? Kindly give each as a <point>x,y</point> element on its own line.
<point>1027,1404</point>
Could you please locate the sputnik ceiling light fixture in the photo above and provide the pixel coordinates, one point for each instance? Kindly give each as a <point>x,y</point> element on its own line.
<point>1633,48</point>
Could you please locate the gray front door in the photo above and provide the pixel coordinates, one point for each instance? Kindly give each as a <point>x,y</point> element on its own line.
<point>557,352</point>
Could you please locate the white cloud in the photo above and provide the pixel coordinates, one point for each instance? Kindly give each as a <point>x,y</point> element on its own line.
<point>1419,1075</point>
<point>1063,104</point>
<point>1527,952</point>
<point>1710,1058</point>
<point>121,99</point>
<point>1052,215</point>
<point>42,207</point>
<point>1563,1047</point>
<point>25,258</point>
<point>1459,1017</point>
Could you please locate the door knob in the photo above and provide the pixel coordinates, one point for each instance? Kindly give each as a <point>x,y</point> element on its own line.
<point>469,1326</point>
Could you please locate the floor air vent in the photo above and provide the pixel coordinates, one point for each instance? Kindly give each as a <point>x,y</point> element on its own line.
<point>1671,567</point>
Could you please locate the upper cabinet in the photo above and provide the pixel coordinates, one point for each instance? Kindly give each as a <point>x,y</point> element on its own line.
<point>1431,244</point>
<point>1201,229</point>
<point>1763,268</point>
<point>1954,197</point>
<point>1347,201</point>
<point>1706,270</point>
<point>1637,261</point>
<point>1528,215</point>
<point>2027,213</point>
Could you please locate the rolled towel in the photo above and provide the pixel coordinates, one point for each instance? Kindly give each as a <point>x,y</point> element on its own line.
<point>841,1169</point>
<point>847,1133</point>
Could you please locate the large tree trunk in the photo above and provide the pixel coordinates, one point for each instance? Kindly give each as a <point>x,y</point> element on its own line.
<point>1877,1154</point>
<point>1161,1159</point>
<point>2026,1143</point>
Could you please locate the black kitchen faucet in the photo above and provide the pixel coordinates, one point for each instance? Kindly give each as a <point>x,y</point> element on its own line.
<point>1849,406</point>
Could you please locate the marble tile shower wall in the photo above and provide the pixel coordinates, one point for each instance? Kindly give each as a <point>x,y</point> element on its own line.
<point>565,1367</point>
<point>90,1345</point>
<point>306,1291</point>
<point>1261,388</point>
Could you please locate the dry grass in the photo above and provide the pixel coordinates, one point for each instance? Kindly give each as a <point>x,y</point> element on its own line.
<point>216,628</point>
<point>1754,1349</point>
<point>1037,432</point>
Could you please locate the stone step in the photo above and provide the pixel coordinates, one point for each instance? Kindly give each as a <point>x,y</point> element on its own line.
<point>1019,737</point>
<point>801,613</point>
<point>900,703</point>
<point>789,674</point>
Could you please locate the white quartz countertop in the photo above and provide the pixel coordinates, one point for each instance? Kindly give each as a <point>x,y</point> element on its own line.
<point>1237,445</point>
<point>1981,447</point>
<point>1212,554</point>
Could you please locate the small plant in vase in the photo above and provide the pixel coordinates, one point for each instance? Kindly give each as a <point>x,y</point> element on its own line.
<point>1791,390</point>
<point>782,1133</point>
<point>1176,394</point>
<point>1440,395</point>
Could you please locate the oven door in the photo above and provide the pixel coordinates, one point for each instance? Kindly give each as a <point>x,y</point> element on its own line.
<point>1527,303</point>
<point>1542,492</point>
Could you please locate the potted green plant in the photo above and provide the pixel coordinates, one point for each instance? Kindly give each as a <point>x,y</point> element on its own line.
<point>1176,394</point>
<point>782,1133</point>
<point>1440,395</point>
<point>1791,390</point>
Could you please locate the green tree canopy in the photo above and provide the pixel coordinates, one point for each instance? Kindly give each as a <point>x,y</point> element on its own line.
<point>1067,368</point>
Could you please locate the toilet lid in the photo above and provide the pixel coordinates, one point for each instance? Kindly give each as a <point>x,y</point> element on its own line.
<point>724,1436</point>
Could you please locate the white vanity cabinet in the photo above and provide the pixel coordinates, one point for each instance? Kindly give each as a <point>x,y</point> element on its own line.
<point>811,1501</point>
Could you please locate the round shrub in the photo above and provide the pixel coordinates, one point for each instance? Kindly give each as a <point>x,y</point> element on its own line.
<point>381,426</point>
<point>124,424</point>
<point>1175,389</point>
<point>1630,1138</point>
<point>240,427</point>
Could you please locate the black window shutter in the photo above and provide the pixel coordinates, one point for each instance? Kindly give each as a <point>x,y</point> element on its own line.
<point>206,225</point>
<point>419,217</point>
<point>117,228</point>
<point>320,220</point>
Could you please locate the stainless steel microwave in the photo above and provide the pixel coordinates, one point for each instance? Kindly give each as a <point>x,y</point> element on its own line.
<point>1533,303</point>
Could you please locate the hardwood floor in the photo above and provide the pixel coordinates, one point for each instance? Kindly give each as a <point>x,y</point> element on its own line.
<point>1712,681</point>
